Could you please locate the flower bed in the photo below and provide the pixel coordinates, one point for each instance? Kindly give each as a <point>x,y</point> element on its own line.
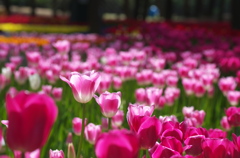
<point>156,92</point>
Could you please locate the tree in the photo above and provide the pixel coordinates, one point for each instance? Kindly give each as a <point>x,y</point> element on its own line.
<point>235,14</point>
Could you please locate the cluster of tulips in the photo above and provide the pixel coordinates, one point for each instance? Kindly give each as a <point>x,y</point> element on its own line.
<point>119,98</point>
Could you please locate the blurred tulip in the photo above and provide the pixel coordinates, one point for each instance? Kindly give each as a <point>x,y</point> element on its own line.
<point>30,117</point>
<point>117,144</point>
<point>118,118</point>
<point>35,81</point>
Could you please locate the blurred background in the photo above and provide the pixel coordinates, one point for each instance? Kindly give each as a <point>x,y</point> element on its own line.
<point>95,15</point>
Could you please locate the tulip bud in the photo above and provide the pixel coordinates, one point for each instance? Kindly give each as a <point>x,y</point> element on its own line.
<point>69,138</point>
<point>71,151</point>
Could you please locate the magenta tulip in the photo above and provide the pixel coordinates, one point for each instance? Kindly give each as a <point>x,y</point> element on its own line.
<point>30,117</point>
<point>117,144</point>
<point>56,154</point>
<point>149,131</point>
<point>214,148</point>
<point>83,85</point>
<point>109,103</point>
<point>92,132</point>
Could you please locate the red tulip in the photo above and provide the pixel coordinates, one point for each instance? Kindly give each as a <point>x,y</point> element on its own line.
<point>30,117</point>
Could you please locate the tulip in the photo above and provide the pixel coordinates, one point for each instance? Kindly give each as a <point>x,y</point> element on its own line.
<point>92,132</point>
<point>7,72</point>
<point>136,113</point>
<point>214,148</point>
<point>117,144</point>
<point>118,118</point>
<point>62,47</point>
<point>71,151</point>
<point>233,97</point>
<point>162,151</point>
<point>109,103</point>
<point>217,133</point>
<point>21,75</point>
<point>117,82</point>
<point>193,145</point>
<point>83,85</point>
<point>30,117</point>
<point>56,154</point>
<point>233,116</point>
<point>47,89</point>
<point>57,93</point>
<point>172,143</point>
<point>150,125</point>
<point>224,123</point>
<point>77,125</point>
<point>35,81</point>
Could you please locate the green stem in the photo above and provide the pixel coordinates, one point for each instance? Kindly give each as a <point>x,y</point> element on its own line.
<point>144,153</point>
<point>82,131</point>
<point>22,155</point>
<point>109,123</point>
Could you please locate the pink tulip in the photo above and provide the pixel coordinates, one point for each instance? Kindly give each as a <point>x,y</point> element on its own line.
<point>21,75</point>
<point>153,94</point>
<point>109,103</point>
<point>233,97</point>
<point>140,95</point>
<point>57,93</point>
<point>83,85</point>
<point>193,145</point>
<point>56,154</point>
<point>199,89</point>
<point>172,143</point>
<point>92,132</point>
<point>30,117</point>
<point>214,148</point>
<point>33,57</point>
<point>188,85</point>
<point>77,125</point>
<point>117,144</point>
<point>172,81</point>
<point>162,151</point>
<point>62,47</point>
<point>158,80</point>
<point>117,82</point>
<point>149,125</point>
<point>233,116</point>
<point>224,123</point>
<point>135,114</point>
<point>227,84</point>
<point>217,133</point>
<point>47,89</point>
<point>118,118</point>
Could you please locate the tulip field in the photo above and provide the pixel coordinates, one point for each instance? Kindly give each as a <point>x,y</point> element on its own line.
<point>156,90</point>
